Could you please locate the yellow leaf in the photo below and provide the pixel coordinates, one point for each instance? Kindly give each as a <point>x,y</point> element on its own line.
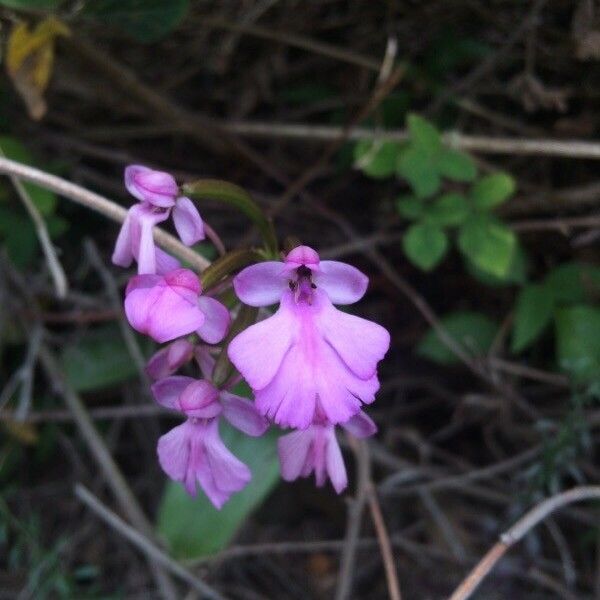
<point>30,58</point>
<point>25,433</point>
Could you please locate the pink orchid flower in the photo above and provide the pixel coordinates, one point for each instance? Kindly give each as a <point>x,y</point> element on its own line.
<point>309,358</point>
<point>169,359</point>
<point>168,307</point>
<point>157,193</point>
<point>193,452</point>
<point>316,450</point>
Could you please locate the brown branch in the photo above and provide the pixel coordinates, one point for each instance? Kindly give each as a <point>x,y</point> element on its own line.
<point>516,533</point>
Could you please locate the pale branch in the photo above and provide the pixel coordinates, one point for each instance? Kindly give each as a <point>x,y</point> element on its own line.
<point>98,203</point>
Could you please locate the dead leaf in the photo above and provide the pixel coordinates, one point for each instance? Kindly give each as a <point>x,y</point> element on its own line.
<point>29,61</point>
<point>25,433</point>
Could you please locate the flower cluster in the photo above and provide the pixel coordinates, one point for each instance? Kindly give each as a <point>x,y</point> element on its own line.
<point>311,366</point>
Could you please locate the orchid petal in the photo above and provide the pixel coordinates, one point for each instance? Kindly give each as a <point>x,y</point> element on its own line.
<point>257,352</point>
<point>174,451</point>
<point>293,450</point>
<point>261,284</point>
<point>216,322</point>
<point>168,390</point>
<point>149,185</point>
<point>188,221</point>
<point>344,284</point>
<point>123,254</point>
<point>360,426</point>
<point>243,415</point>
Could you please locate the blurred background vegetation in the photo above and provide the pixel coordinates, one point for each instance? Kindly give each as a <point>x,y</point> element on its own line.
<point>445,148</point>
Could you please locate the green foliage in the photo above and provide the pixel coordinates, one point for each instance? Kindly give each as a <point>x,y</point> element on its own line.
<point>98,360</point>
<point>376,159</point>
<point>488,244</point>
<point>456,165</point>
<point>32,4</point>
<point>144,20</point>
<point>533,313</point>
<point>568,284</point>
<point>516,274</point>
<point>425,245</point>
<point>492,190</point>
<point>44,200</point>
<point>448,209</point>
<point>192,526</point>
<point>490,248</point>
<point>474,331</point>
<point>416,166</point>
<point>578,342</point>
<point>16,228</point>
<point>410,207</point>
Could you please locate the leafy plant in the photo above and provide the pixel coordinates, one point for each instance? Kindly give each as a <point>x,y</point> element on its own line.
<point>145,20</point>
<point>474,331</point>
<point>425,162</point>
<point>193,527</point>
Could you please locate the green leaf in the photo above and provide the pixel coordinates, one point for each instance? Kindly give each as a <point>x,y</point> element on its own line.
<point>449,209</point>
<point>192,526</point>
<point>32,4</point>
<point>409,207</point>
<point>456,165</point>
<point>19,237</point>
<point>516,274</point>
<point>472,330</point>
<point>423,134</point>
<point>44,200</point>
<point>416,166</point>
<point>425,245</point>
<point>533,313</point>
<point>98,360</point>
<point>578,342</point>
<point>488,243</point>
<point>492,190</point>
<point>236,196</point>
<point>144,20</point>
<point>376,159</point>
<point>574,282</point>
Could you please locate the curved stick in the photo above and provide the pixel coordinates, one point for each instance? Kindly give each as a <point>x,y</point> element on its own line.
<point>517,532</point>
<point>104,206</point>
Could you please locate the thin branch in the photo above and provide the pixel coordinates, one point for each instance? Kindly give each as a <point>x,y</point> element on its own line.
<point>143,544</point>
<point>516,533</point>
<point>355,513</point>
<point>385,545</point>
<point>98,203</point>
<point>461,141</point>
<point>56,271</point>
<point>292,39</point>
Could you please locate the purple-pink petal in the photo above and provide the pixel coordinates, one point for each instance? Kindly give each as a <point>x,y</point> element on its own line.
<point>123,252</point>
<point>188,222</point>
<point>164,308</point>
<point>360,343</point>
<point>174,451</point>
<point>156,187</point>
<point>313,450</point>
<point>298,368</point>
<point>223,473</point>
<point>261,284</point>
<point>360,426</point>
<point>199,400</point>
<point>243,415</point>
<point>216,322</point>
<point>257,352</point>
<point>167,391</point>
<point>169,359</point>
<point>302,256</point>
<point>343,283</point>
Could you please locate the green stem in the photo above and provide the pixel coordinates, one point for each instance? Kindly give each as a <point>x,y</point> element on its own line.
<point>235,196</point>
